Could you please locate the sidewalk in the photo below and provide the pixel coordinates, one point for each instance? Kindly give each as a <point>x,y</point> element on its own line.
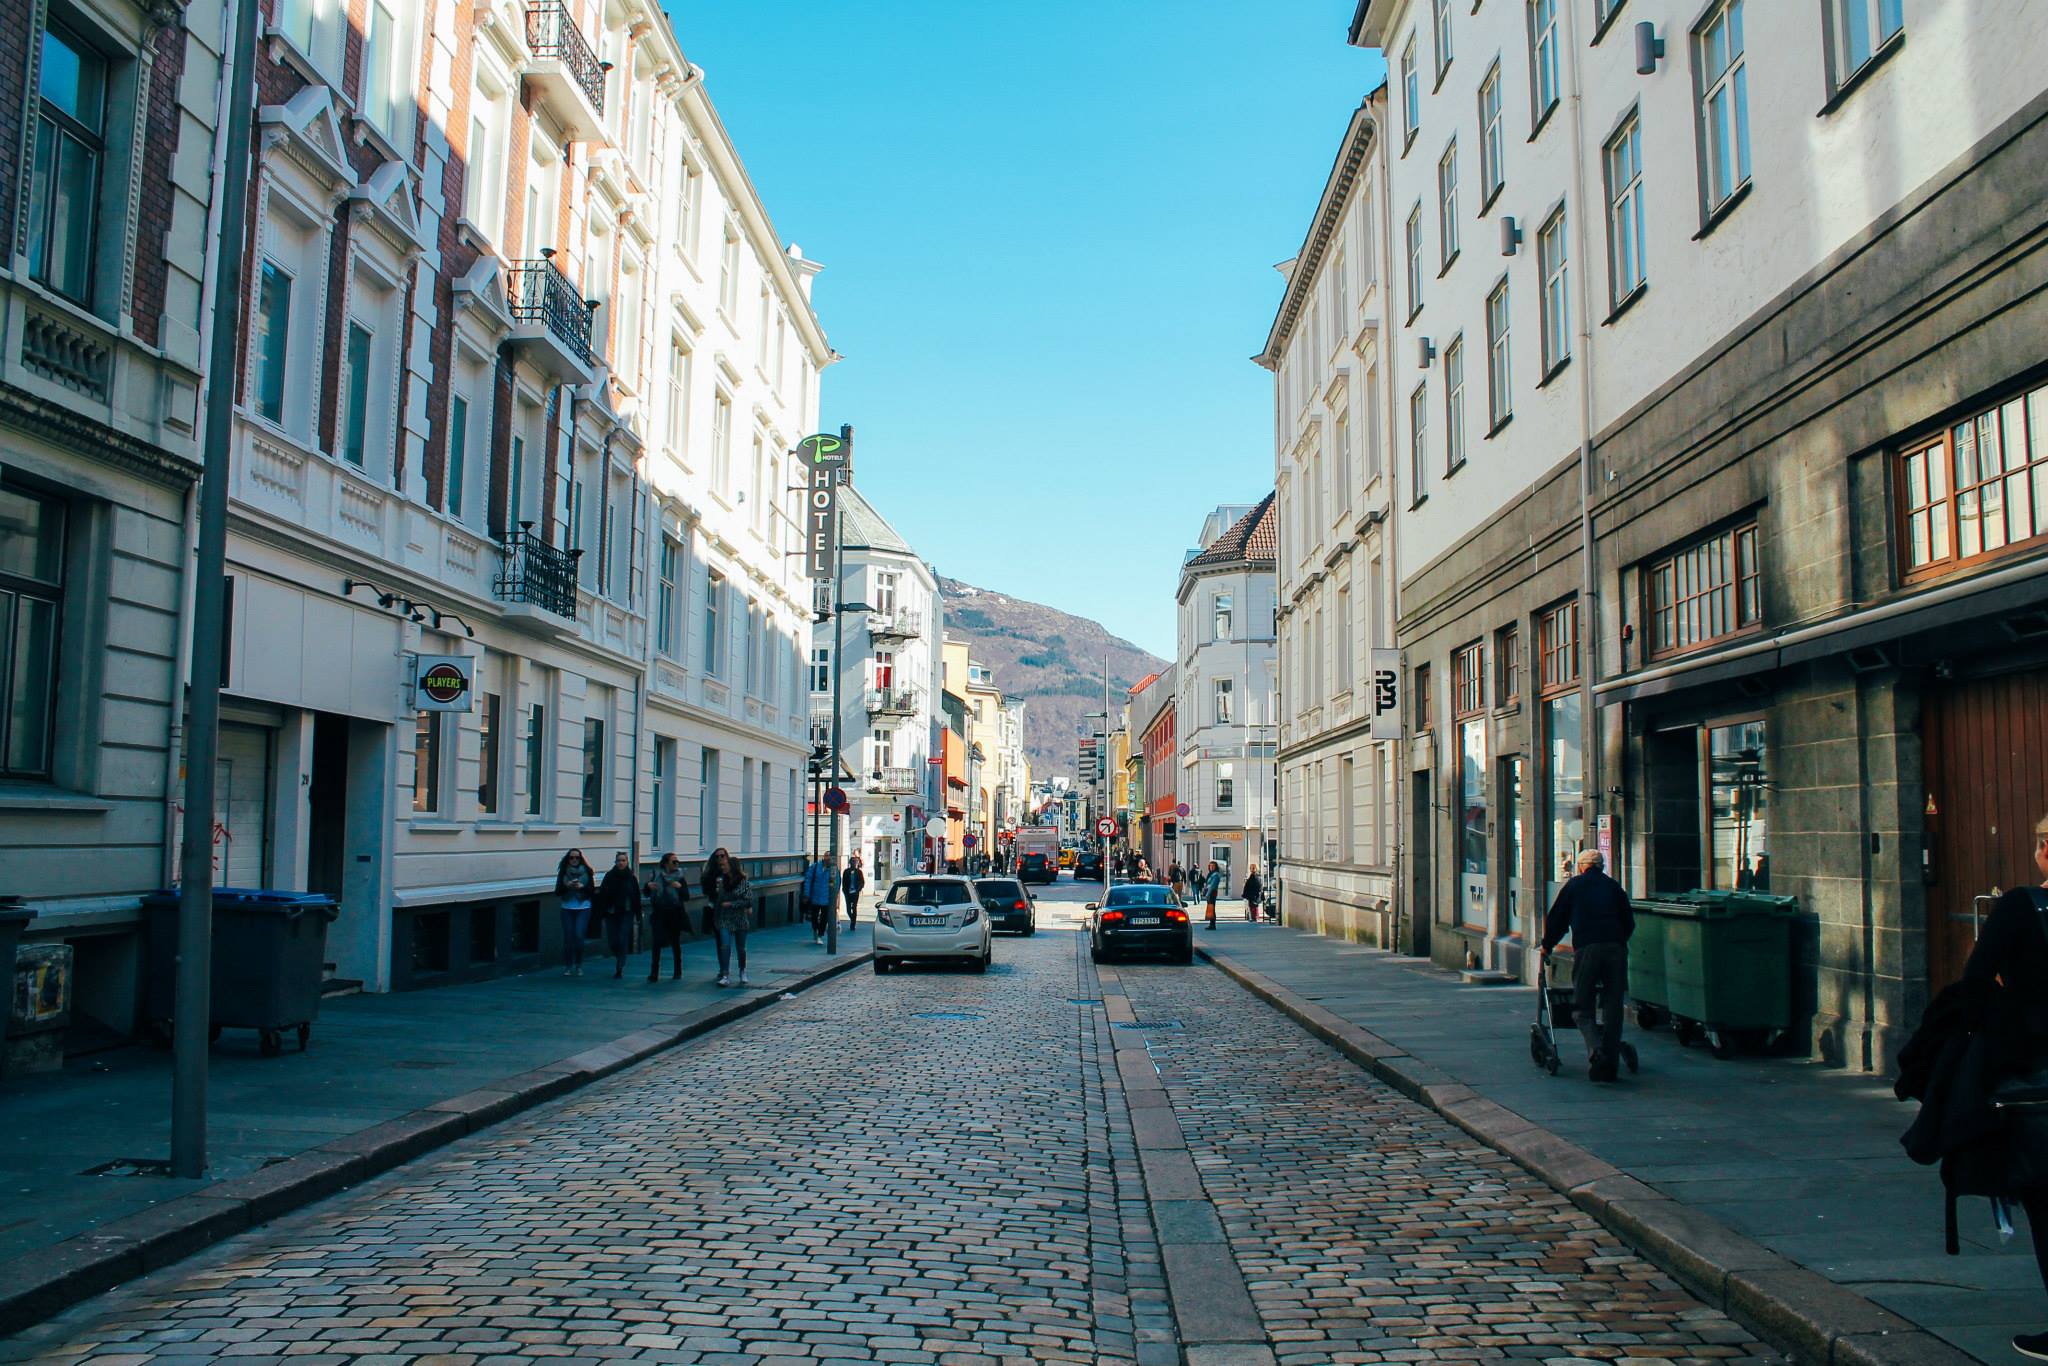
<point>1803,1159</point>
<point>69,1140</point>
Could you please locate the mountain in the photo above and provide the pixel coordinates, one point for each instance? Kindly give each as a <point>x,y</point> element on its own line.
<point>1050,659</point>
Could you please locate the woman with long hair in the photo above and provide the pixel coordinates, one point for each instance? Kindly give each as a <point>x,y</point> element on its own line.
<point>732,911</point>
<point>575,886</point>
<point>668,892</point>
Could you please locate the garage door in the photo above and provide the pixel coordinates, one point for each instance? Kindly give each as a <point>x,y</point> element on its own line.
<point>242,789</point>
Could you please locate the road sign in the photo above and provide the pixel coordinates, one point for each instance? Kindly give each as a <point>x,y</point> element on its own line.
<point>1183,810</point>
<point>835,799</point>
<point>936,827</point>
<point>969,841</point>
<point>1106,827</point>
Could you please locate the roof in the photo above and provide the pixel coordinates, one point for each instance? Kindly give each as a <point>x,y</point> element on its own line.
<point>1303,270</point>
<point>1142,684</point>
<point>1252,539</point>
<point>863,528</point>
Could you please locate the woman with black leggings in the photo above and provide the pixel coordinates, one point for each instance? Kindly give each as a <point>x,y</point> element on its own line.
<point>2007,978</point>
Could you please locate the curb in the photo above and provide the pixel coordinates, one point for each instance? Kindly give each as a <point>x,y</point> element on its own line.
<point>1799,1311</point>
<point>38,1285</point>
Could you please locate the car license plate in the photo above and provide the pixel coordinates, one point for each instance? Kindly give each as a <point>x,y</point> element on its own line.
<point>1144,920</point>
<point>928,922</point>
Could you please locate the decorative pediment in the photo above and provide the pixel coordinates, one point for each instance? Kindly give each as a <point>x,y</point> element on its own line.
<point>385,200</point>
<point>307,130</point>
<point>480,292</point>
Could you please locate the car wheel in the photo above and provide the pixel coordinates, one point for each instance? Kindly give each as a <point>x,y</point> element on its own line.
<point>881,967</point>
<point>977,965</point>
<point>1030,928</point>
<point>1094,952</point>
<point>1185,956</point>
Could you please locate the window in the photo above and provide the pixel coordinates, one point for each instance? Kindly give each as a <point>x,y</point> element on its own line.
<point>1724,103</point>
<point>821,668</point>
<point>1413,242</point>
<point>1443,39</point>
<point>1557,674</point>
<point>536,759</point>
<point>1226,786</point>
<point>387,74</point>
<point>1704,593</point>
<point>1492,140</point>
<point>1468,680</point>
<point>1447,205</point>
<point>490,740</point>
<point>1555,300</point>
<point>1340,316</point>
<point>885,670</point>
<point>1225,610</point>
<point>885,749</point>
<point>665,587</point>
<point>484,168</point>
<point>1557,648</point>
<point>1543,42</point>
<point>315,28</point>
<point>714,608</point>
<point>1411,94</point>
<point>886,585</point>
<point>746,804</point>
<point>721,444</point>
<point>678,395</point>
<point>273,331</point>
<point>1454,406</point>
<point>1507,666</point>
<point>426,763</point>
<point>356,405</point>
<point>1468,700</point>
<point>707,799</point>
<point>1623,159</point>
<point>1418,447</point>
<point>64,190</point>
<point>32,550</point>
<point>515,487</point>
<point>458,447</point>
<point>1978,489</point>
<point>1422,711</point>
<point>1223,701</point>
<point>1857,31</point>
<point>1738,808</point>
<point>729,274</point>
<point>593,762</point>
<point>1499,400</point>
<point>751,668</point>
<point>1344,652</point>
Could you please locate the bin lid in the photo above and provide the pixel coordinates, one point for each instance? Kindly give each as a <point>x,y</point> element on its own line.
<point>250,899</point>
<point>11,910</point>
<point>1714,901</point>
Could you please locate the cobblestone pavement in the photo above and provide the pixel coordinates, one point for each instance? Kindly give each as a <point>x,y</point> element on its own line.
<point>1368,1229</point>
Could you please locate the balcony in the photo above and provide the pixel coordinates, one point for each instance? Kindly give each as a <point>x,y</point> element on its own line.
<point>538,584</point>
<point>902,624</point>
<point>564,71</point>
<point>550,321</point>
<point>892,702</point>
<point>896,782</point>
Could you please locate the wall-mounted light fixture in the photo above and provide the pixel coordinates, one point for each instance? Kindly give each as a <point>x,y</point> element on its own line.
<point>1649,49</point>
<point>1425,351</point>
<point>1510,235</point>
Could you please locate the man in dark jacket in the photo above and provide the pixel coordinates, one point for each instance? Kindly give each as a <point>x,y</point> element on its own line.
<point>1593,909</point>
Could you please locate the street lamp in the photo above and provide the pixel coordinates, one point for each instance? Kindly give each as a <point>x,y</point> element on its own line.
<point>838,614</point>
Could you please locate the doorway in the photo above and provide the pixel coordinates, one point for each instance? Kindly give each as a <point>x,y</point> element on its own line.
<point>327,806</point>
<point>1421,827</point>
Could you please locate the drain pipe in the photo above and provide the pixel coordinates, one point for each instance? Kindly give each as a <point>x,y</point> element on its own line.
<point>1594,763</point>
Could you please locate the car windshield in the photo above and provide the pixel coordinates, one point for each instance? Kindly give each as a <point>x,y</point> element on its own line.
<point>1000,891</point>
<point>1140,894</point>
<point>929,894</point>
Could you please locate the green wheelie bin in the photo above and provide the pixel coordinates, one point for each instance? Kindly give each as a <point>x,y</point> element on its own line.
<point>269,953</point>
<point>1647,985</point>
<point>1728,968</point>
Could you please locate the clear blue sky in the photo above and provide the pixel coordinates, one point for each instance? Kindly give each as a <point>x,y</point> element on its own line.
<point>1048,233</point>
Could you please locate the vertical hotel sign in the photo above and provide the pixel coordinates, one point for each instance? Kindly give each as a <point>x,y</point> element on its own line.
<point>1386,694</point>
<point>823,460</point>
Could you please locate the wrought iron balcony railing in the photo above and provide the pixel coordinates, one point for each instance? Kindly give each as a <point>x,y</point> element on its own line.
<point>552,34</point>
<point>542,296</point>
<point>892,701</point>
<point>902,624</point>
<point>538,574</point>
<point>896,781</point>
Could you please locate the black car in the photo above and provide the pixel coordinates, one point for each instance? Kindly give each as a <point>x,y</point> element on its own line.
<point>1038,868</point>
<point>1009,906</point>
<point>1140,917</point>
<point>1088,867</point>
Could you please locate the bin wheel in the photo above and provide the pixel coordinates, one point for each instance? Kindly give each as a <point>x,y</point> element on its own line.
<point>1723,1042</point>
<point>1690,1032</point>
<point>270,1043</point>
<point>305,1034</point>
<point>1650,1017</point>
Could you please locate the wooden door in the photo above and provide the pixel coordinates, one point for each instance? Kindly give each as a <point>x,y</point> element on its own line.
<point>1985,743</point>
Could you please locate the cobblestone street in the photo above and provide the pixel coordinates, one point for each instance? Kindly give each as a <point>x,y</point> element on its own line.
<point>937,1168</point>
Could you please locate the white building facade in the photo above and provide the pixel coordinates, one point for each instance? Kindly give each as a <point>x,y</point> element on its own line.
<point>1335,492</point>
<point>1225,693</point>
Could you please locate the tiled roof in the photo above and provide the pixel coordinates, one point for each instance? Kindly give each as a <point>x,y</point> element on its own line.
<point>1253,538</point>
<point>864,528</point>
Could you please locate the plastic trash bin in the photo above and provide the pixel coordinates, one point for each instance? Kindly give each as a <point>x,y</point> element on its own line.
<point>269,951</point>
<point>14,918</point>
<point>1647,985</point>
<point>1728,967</point>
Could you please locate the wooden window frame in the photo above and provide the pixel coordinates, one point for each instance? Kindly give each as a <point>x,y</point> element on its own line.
<point>1424,714</point>
<point>1507,666</point>
<point>1692,594</point>
<point>1468,681</point>
<point>2027,405</point>
<point>1551,647</point>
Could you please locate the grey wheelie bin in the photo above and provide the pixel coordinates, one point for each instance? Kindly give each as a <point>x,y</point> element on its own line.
<point>269,953</point>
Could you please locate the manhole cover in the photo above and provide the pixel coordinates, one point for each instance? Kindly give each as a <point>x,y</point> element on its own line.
<point>1146,1024</point>
<point>944,1015</point>
<point>1084,1000</point>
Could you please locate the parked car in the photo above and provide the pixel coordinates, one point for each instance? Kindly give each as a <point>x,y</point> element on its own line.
<point>1007,905</point>
<point>1088,867</point>
<point>927,918</point>
<point>1140,918</point>
<point>1037,868</point>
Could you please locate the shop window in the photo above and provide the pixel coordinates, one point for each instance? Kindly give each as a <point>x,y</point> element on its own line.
<point>1468,699</point>
<point>1978,490</point>
<point>426,771</point>
<point>1564,758</point>
<point>1738,808</point>
<point>1704,593</point>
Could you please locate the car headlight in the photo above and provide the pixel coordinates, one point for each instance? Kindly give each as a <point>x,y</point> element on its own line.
<point>973,915</point>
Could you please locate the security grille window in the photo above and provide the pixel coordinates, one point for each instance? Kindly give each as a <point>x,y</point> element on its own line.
<point>665,590</point>
<point>1507,666</point>
<point>1979,489</point>
<point>1499,397</point>
<point>273,332</point>
<point>1857,31</point>
<point>1411,94</point>
<point>1443,39</point>
<point>1705,593</point>
<point>1223,701</point>
<point>426,763</point>
<point>32,549</point>
<point>1492,140</point>
<point>1468,680</point>
<point>1454,406</point>
<point>1543,40</point>
<point>1724,103</point>
<point>536,758</point>
<point>64,186</point>
<point>593,767</point>
<point>714,612</point>
<point>1422,710</point>
<point>1413,243</point>
<point>490,740</point>
<point>1447,205</point>
<point>1418,447</point>
<point>1552,266</point>
<point>1623,160</point>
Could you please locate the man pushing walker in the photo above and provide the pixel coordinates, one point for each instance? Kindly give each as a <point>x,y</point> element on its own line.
<point>1594,910</point>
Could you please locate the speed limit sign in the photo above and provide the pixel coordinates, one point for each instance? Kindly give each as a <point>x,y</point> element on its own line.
<point>1106,827</point>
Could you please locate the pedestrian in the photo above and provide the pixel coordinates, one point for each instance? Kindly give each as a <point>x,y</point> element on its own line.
<point>1254,894</point>
<point>618,903</point>
<point>574,888</point>
<point>851,884</point>
<point>1212,887</point>
<point>1144,870</point>
<point>1990,1032</point>
<point>817,892</point>
<point>1175,878</point>
<point>668,896</point>
<point>1594,910</point>
<point>731,911</point>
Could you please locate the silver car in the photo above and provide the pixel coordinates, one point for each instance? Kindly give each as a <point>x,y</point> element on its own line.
<point>928,918</point>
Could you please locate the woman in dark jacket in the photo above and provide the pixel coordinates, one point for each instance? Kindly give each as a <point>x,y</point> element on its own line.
<point>731,911</point>
<point>618,901</point>
<point>668,894</point>
<point>574,887</point>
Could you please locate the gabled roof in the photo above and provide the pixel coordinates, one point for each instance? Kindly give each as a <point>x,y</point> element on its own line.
<point>863,528</point>
<point>1252,539</point>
